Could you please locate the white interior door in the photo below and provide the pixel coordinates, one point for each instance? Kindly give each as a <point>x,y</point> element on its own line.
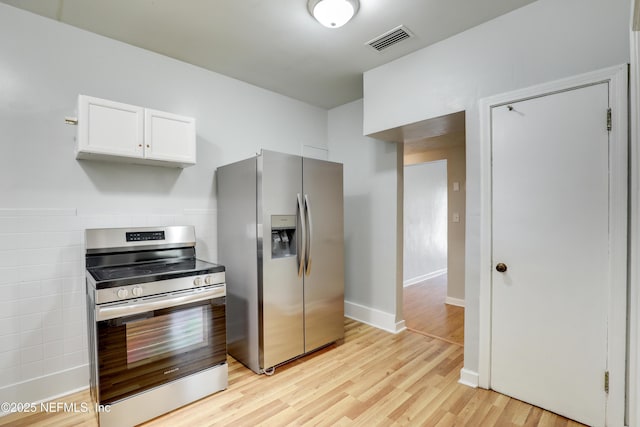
<point>550,228</point>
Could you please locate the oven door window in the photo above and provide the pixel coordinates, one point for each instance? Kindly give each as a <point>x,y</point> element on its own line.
<point>162,336</point>
<point>146,350</point>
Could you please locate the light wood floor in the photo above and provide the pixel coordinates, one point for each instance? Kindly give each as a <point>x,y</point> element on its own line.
<point>425,311</point>
<point>373,378</point>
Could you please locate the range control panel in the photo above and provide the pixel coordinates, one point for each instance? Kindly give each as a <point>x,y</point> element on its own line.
<point>143,236</point>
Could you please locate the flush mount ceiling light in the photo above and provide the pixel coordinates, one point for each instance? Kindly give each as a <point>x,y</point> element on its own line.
<point>333,13</point>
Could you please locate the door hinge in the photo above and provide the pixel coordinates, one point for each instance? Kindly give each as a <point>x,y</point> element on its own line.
<point>606,381</point>
<point>609,119</point>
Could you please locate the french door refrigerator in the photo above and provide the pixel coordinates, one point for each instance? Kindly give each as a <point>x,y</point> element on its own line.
<point>281,239</point>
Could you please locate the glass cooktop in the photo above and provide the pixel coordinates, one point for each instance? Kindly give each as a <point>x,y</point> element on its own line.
<point>130,274</point>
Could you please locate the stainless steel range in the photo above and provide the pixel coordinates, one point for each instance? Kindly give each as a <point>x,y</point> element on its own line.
<point>156,321</point>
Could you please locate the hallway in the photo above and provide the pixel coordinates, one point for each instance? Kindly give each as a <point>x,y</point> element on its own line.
<point>426,313</point>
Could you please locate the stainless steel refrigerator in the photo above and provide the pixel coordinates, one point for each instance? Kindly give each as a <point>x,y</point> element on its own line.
<point>281,239</point>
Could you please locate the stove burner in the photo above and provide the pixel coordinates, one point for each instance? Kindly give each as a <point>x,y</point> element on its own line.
<point>118,273</point>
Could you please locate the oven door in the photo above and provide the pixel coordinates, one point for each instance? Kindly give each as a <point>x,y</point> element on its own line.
<point>146,343</point>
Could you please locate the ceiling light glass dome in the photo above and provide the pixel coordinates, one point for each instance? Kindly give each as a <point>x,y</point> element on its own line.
<point>333,13</point>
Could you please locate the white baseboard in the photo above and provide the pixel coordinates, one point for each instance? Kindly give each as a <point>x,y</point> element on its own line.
<point>373,317</point>
<point>454,301</point>
<point>424,277</point>
<point>46,388</point>
<point>468,378</point>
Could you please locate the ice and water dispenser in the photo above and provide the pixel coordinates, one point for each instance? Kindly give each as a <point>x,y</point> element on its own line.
<point>283,236</point>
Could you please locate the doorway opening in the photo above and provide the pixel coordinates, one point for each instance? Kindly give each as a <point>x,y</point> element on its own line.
<point>434,228</point>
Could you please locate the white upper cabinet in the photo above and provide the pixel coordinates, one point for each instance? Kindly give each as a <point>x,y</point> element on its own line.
<point>114,131</point>
<point>167,137</point>
<point>108,127</point>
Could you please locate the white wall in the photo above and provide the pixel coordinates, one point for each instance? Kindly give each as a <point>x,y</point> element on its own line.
<point>456,170</point>
<point>370,217</point>
<point>425,221</point>
<point>49,198</point>
<point>540,42</point>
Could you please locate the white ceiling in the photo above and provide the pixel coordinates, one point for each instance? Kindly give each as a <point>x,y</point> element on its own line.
<point>274,44</point>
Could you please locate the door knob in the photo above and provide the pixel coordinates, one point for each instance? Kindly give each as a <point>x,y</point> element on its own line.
<point>501,267</point>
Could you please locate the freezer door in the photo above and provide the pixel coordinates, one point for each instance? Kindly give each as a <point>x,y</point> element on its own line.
<point>281,283</point>
<point>324,266</point>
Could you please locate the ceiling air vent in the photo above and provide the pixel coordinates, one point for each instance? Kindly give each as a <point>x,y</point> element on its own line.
<point>390,38</point>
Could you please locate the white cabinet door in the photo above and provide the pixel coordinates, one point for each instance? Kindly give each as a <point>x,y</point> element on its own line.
<point>169,137</point>
<point>109,128</point>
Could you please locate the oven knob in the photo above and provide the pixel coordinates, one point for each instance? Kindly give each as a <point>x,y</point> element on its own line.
<point>137,291</point>
<point>122,293</point>
<point>197,281</point>
<point>208,280</point>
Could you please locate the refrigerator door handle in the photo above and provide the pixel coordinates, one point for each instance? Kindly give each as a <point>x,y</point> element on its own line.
<point>302,248</point>
<point>307,208</point>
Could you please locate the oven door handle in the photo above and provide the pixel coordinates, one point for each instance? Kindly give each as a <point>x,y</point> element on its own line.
<point>128,309</point>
